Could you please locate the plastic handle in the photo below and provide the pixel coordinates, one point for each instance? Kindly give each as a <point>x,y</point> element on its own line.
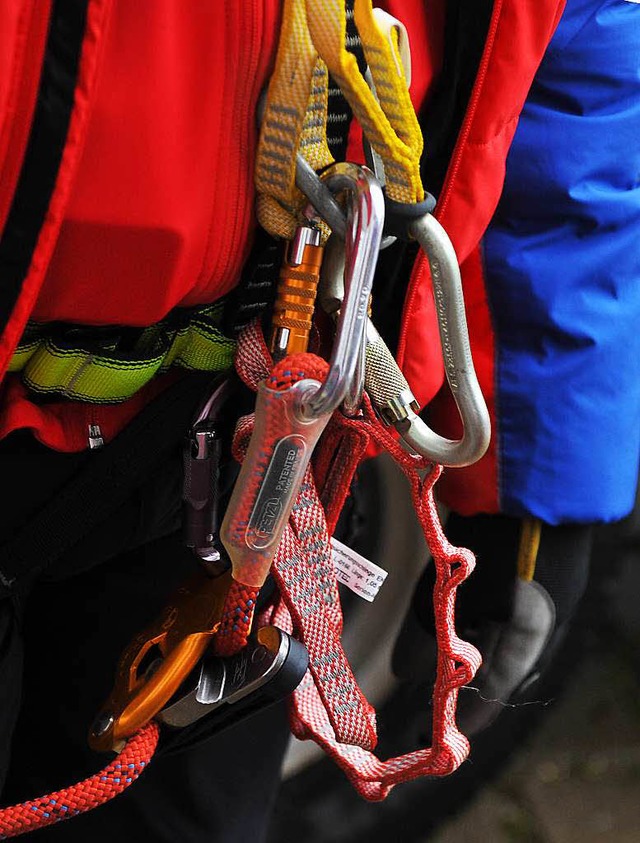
<point>270,478</point>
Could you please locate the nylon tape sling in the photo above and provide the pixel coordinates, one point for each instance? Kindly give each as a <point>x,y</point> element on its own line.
<point>329,707</point>
<point>312,43</point>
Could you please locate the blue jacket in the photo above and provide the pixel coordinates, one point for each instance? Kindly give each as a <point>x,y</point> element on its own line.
<point>562,274</point>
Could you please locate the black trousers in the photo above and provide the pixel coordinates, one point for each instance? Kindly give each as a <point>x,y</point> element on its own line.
<point>59,644</point>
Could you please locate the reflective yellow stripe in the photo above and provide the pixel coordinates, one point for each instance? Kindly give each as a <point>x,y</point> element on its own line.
<point>102,375</point>
<point>83,376</point>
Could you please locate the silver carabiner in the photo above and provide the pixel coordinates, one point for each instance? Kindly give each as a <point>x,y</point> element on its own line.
<point>363,233</point>
<point>387,387</point>
<point>456,353</point>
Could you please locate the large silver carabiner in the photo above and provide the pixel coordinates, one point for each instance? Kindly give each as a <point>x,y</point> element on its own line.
<point>456,353</point>
<point>387,387</point>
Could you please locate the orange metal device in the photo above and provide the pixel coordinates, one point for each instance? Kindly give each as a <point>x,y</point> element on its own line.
<point>181,636</point>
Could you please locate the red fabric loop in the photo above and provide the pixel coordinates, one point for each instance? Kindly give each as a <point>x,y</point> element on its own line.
<point>328,707</point>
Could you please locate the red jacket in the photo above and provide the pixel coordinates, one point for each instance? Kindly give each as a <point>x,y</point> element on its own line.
<point>151,206</point>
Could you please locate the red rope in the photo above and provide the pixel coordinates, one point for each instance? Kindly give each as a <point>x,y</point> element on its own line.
<point>237,617</point>
<point>328,706</point>
<point>240,602</point>
<point>86,795</point>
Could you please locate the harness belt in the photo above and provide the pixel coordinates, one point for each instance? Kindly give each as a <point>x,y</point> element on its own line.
<point>90,364</point>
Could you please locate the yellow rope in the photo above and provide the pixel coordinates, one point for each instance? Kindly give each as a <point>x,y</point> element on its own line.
<point>528,550</point>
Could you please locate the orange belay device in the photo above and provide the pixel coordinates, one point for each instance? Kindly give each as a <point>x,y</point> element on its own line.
<point>181,635</point>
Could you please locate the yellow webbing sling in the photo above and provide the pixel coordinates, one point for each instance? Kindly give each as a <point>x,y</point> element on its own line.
<point>294,121</point>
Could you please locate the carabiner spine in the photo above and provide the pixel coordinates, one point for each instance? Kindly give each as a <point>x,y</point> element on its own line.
<point>456,353</point>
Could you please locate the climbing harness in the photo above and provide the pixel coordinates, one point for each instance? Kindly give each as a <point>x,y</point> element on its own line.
<point>299,449</point>
<point>92,364</point>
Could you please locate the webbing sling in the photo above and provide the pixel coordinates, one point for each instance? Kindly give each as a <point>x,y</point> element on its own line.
<point>312,41</point>
<point>62,363</point>
<point>329,707</point>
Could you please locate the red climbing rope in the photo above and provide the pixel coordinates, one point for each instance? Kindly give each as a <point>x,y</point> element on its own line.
<point>86,795</point>
<point>239,607</point>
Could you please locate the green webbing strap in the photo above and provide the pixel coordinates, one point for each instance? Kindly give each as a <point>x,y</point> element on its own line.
<point>100,373</point>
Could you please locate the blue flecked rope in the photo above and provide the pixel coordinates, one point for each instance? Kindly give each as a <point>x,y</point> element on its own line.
<point>88,794</point>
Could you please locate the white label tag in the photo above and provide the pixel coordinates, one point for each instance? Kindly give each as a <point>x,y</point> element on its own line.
<point>357,573</point>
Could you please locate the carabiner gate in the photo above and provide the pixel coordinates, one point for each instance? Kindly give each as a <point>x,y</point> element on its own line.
<point>363,233</point>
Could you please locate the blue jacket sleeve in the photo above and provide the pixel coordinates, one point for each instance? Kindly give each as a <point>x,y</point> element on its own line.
<point>562,268</point>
